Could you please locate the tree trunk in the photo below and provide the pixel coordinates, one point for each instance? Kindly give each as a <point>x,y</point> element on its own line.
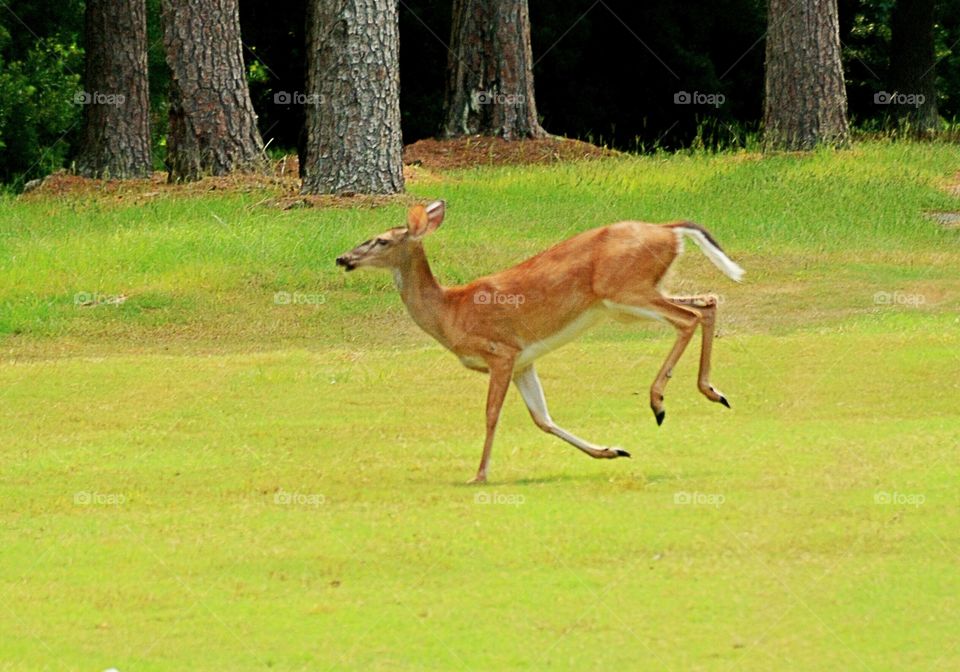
<point>489,86</point>
<point>913,91</point>
<point>806,102</point>
<point>353,140</point>
<point>115,140</point>
<point>213,128</point>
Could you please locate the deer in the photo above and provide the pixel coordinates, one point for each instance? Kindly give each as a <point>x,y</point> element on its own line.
<point>501,324</point>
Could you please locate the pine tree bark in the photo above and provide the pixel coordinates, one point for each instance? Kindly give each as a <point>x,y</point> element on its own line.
<point>115,140</point>
<point>489,88</point>
<point>213,127</point>
<point>912,65</point>
<point>353,139</point>
<point>806,102</point>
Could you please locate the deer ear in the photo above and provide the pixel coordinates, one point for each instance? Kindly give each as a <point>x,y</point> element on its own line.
<point>423,220</point>
<point>417,221</point>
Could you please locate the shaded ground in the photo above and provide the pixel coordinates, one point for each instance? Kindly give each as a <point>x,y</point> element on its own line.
<point>283,182</point>
<point>485,151</point>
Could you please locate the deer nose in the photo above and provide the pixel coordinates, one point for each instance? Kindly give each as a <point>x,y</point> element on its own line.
<point>344,260</point>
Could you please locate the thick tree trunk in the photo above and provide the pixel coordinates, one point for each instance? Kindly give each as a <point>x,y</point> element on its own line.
<point>353,142</point>
<point>115,141</point>
<point>806,102</point>
<point>213,128</point>
<point>489,86</point>
<point>913,91</point>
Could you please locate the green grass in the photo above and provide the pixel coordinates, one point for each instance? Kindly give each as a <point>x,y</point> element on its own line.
<point>202,478</point>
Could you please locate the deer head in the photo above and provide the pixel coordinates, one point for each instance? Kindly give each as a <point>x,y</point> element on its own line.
<point>391,249</point>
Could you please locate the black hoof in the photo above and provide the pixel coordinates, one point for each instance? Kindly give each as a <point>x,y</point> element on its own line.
<point>621,453</point>
<point>723,400</point>
<point>660,417</point>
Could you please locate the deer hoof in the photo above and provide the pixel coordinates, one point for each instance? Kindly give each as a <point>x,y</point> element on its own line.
<point>659,415</point>
<point>621,453</point>
<point>723,400</point>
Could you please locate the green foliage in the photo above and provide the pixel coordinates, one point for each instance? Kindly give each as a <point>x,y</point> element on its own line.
<point>38,111</point>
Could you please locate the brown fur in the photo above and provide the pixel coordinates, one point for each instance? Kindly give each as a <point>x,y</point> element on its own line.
<point>621,263</point>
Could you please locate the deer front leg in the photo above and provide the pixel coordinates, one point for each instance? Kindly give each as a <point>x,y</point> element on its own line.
<point>501,370</point>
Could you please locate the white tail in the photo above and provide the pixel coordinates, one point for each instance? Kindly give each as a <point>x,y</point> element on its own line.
<point>711,250</point>
<point>501,323</point>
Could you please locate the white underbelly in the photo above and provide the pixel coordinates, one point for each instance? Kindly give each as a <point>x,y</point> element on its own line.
<point>573,329</point>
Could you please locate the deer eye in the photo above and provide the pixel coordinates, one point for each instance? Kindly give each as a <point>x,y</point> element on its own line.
<point>381,241</point>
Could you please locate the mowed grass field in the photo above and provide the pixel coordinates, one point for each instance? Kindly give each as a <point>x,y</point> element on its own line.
<point>219,452</point>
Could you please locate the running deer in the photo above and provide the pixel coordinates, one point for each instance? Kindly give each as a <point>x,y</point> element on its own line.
<point>500,324</point>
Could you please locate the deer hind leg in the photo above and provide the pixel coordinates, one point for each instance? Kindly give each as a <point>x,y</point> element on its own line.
<point>528,384</point>
<point>683,318</point>
<point>707,305</point>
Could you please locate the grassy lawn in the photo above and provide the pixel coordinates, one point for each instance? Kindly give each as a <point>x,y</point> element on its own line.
<point>219,452</point>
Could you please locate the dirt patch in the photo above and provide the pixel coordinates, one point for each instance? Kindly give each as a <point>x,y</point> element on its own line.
<point>281,185</point>
<point>947,220</point>
<point>481,150</point>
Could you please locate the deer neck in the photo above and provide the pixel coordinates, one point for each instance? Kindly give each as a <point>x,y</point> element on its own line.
<point>421,293</point>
